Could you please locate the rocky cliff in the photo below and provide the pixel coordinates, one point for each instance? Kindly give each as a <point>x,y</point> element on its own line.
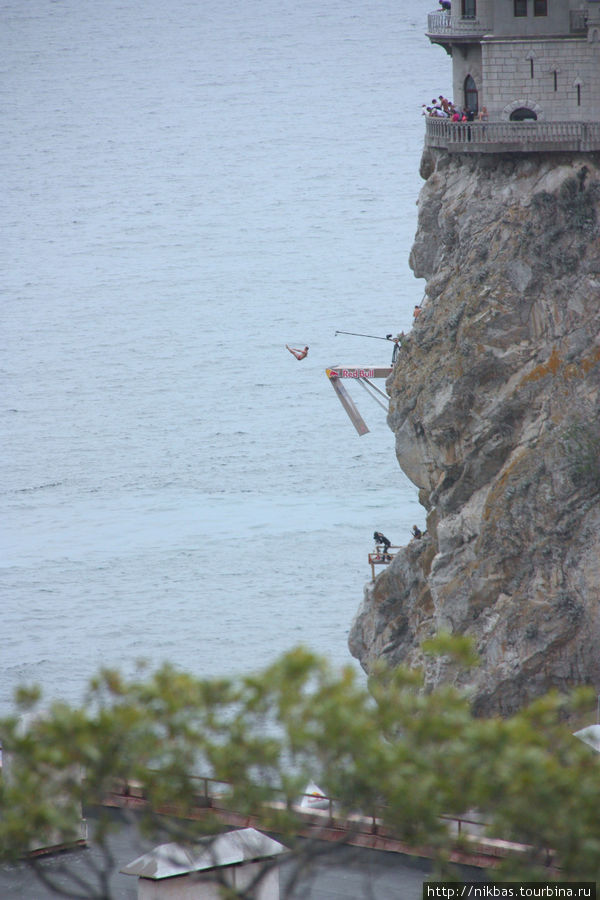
<point>494,404</point>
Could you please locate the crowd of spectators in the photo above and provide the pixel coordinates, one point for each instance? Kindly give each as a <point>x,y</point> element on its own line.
<point>444,109</point>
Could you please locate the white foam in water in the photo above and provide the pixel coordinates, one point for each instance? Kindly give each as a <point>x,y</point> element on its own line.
<point>187,188</point>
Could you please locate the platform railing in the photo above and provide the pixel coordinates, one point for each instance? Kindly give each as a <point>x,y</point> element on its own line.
<point>381,557</point>
<point>319,815</point>
<point>443,23</point>
<point>490,137</point>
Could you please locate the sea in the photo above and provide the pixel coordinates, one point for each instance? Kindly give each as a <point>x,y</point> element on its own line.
<point>187,187</point>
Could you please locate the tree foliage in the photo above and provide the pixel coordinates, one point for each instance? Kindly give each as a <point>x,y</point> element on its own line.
<point>383,748</point>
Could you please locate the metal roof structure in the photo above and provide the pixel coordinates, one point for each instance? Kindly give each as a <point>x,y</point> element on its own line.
<point>217,851</point>
<point>589,735</point>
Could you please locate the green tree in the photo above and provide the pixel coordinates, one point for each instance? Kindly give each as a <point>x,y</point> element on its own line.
<point>383,748</point>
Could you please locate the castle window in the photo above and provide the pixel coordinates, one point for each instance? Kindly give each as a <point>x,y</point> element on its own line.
<point>520,8</point>
<point>578,95</point>
<point>471,95</point>
<point>540,7</point>
<point>555,74</point>
<point>531,67</point>
<point>469,9</point>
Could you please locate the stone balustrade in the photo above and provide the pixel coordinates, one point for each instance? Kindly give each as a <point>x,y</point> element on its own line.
<point>443,24</point>
<point>511,137</point>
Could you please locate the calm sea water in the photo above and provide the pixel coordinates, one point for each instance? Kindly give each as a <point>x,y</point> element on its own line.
<point>187,187</point>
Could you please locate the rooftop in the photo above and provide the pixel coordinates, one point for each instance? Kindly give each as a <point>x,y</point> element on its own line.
<point>229,849</point>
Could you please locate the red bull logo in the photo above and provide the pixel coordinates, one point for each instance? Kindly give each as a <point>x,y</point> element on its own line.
<point>357,373</point>
<point>351,373</point>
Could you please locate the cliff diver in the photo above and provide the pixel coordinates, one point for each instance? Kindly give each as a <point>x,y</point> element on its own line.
<point>381,540</point>
<point>299,354</point>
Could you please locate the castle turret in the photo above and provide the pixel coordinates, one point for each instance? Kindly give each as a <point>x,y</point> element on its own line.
<point>535,63</point>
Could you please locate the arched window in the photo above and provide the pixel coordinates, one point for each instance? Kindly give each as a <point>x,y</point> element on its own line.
<point>522,114</point>
<point>471,97</point>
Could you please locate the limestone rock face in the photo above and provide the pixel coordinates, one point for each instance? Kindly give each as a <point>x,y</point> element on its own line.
<point>494,404</point>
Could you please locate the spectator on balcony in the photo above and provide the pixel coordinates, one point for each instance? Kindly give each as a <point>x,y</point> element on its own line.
<point>446,5</point>
<point>483,114</point>
<point>437,109</point>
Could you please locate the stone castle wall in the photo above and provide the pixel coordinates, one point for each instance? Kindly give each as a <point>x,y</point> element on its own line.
<point>507,80</point>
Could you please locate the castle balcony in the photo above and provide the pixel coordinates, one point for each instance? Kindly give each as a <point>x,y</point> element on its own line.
<point>512,137</point>
<point>443,27</point>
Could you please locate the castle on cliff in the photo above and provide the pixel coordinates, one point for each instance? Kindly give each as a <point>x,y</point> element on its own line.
<point>534,65</point>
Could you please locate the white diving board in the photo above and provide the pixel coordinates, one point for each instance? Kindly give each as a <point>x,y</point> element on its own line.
<point>362,374</point>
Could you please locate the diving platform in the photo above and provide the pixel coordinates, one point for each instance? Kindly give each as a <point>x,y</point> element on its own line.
<point>364,375</point>
<point>381,557</point>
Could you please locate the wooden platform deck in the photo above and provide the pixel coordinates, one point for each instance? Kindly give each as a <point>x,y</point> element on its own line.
<point>379,557</point>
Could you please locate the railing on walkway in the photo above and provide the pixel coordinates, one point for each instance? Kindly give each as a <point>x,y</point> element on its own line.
<point>319,816</point>
<point>507,137</point>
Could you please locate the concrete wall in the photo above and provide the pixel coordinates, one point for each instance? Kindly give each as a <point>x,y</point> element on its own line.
<point>176,889</point>
<point>484,13</point>
<point>507,24</point>
<point>507,80</point>
<point>466,61</point>
<point>193,887</point>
